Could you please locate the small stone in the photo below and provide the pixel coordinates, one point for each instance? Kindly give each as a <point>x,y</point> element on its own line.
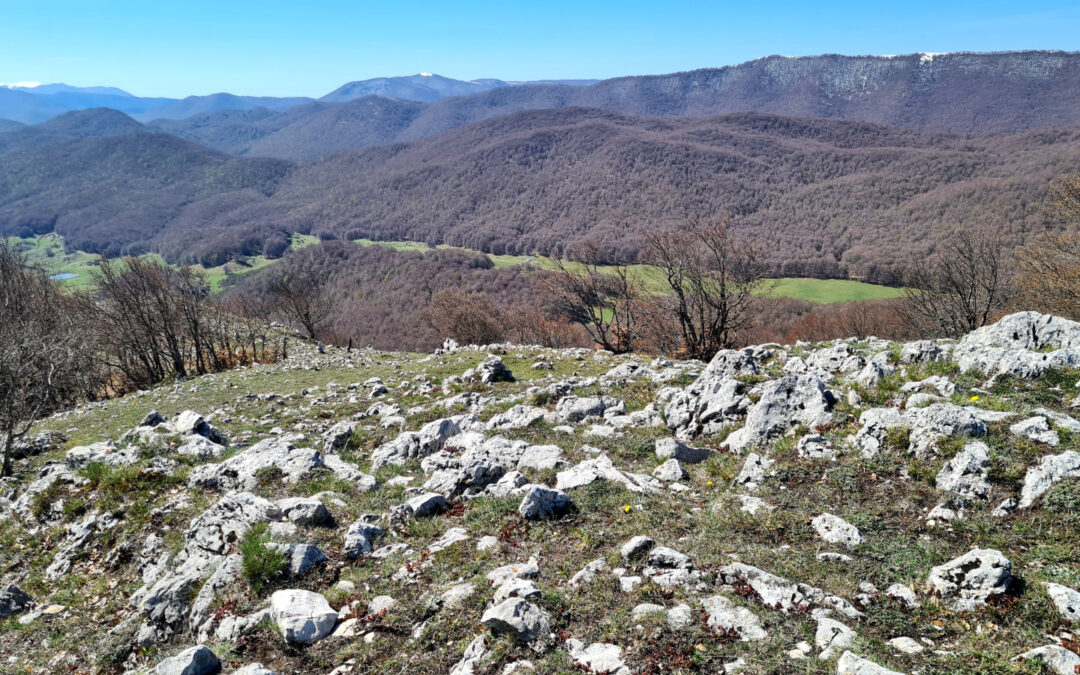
<point>192,661</point>
<point>636,547</point>
<point>906,645</point>
<point>836,530</point>
<point>302,616</point>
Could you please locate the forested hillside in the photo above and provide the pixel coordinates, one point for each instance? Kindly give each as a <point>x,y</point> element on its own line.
<point>830,198</point>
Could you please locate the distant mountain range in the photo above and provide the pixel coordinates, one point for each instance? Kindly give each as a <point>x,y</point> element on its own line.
<point>38,103</point>
<point>956,93</point>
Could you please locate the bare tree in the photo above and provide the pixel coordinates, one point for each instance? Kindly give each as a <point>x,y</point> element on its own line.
<point>469,318</point>
<point>1048,269</point>
<point>716,283</point>
<point>603,299</point>
<point>41,360</point>
<point>959,288</point>
<point>149,322</point>
<point>303,297</point>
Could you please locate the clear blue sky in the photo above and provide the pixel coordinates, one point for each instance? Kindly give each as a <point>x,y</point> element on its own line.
<point>163,48</point>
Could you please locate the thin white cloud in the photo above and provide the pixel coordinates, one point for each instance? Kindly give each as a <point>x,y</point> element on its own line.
<point>20,85</point>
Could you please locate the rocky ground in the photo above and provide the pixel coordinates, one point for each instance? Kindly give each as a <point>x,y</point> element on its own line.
<point>850,507</point>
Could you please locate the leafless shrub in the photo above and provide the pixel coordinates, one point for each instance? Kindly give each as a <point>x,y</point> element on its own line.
<point>43,361</point>
<point>716,282</point>
<point>606,302</point>
<point>963,286</point>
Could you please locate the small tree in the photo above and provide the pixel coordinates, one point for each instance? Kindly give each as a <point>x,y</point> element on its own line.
<point>716,284</point>
<point>604,300</point>
<point>42,365</point>
<point>959,288</point>
<point>303,297</point>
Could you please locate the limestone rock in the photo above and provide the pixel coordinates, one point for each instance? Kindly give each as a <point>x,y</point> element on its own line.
<point>303,617</point>
<point>1050,469</point>
<point>1016,344</point>
<point>13,600</point>
<point>784,403</point>
<point>304,511</point>
<point>599,657</point>
<point>725,616</point>
<point>849,664</point>
<point>522,619</point>
<point>965,474</point>
<point>836,530</point>
<point>670,471</point>
<point>636,547</point>
<point>192,661</point>
<point>671,448</point>
<point>965,583</point>
<point>1066,600</point>
<point>1062,661</point>
<point>541,502</point>
<point>359,537</point>
<point>1035,429</point>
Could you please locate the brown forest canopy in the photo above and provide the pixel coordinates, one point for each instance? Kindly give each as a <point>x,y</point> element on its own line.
<point>827,197</point>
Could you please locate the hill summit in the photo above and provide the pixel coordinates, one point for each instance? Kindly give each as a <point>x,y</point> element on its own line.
<point>858,506</point>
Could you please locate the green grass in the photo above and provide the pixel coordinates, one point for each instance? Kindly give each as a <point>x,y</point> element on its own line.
<point>828,291</point>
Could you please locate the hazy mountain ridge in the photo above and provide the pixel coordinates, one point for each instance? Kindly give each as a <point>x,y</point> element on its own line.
<point>955,93</point>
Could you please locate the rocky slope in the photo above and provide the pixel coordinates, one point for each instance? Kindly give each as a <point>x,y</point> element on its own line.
<point>850,507</point>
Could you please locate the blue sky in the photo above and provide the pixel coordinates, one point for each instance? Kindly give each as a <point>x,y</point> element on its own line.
<point>309,48</point>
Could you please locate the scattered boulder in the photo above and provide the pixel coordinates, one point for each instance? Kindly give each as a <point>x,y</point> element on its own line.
<point>672,448</point>
<point>359,538</point>
<point>784,403</point>
<point>522,619</point>
<point>753,472</point>
<point>670,471</point>
<point>1050,469</point>
<point>849,664</point>
<point>1062,661</point>
<point>338,436</point>
<point>192,661</point>
<point>13,600</point>
<point>966,583</point>
<point>518,417</point>
<point>636,547</point>
<point>727,617</point>
<point>304,511</point>
<point>965,474</point>
<point>302,616</point>
<point>541,503</point>
<point>301,558</point>
<point>1035,429</point>
<point>492,369</point>
<point>836,530</point>
<point>426,505</point>
<point>1065,599</point>
<point>816,446</point>
<point>599,657</point>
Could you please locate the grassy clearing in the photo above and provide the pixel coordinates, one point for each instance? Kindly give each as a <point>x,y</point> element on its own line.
<point>822,291</point>
<point>47,252</point>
